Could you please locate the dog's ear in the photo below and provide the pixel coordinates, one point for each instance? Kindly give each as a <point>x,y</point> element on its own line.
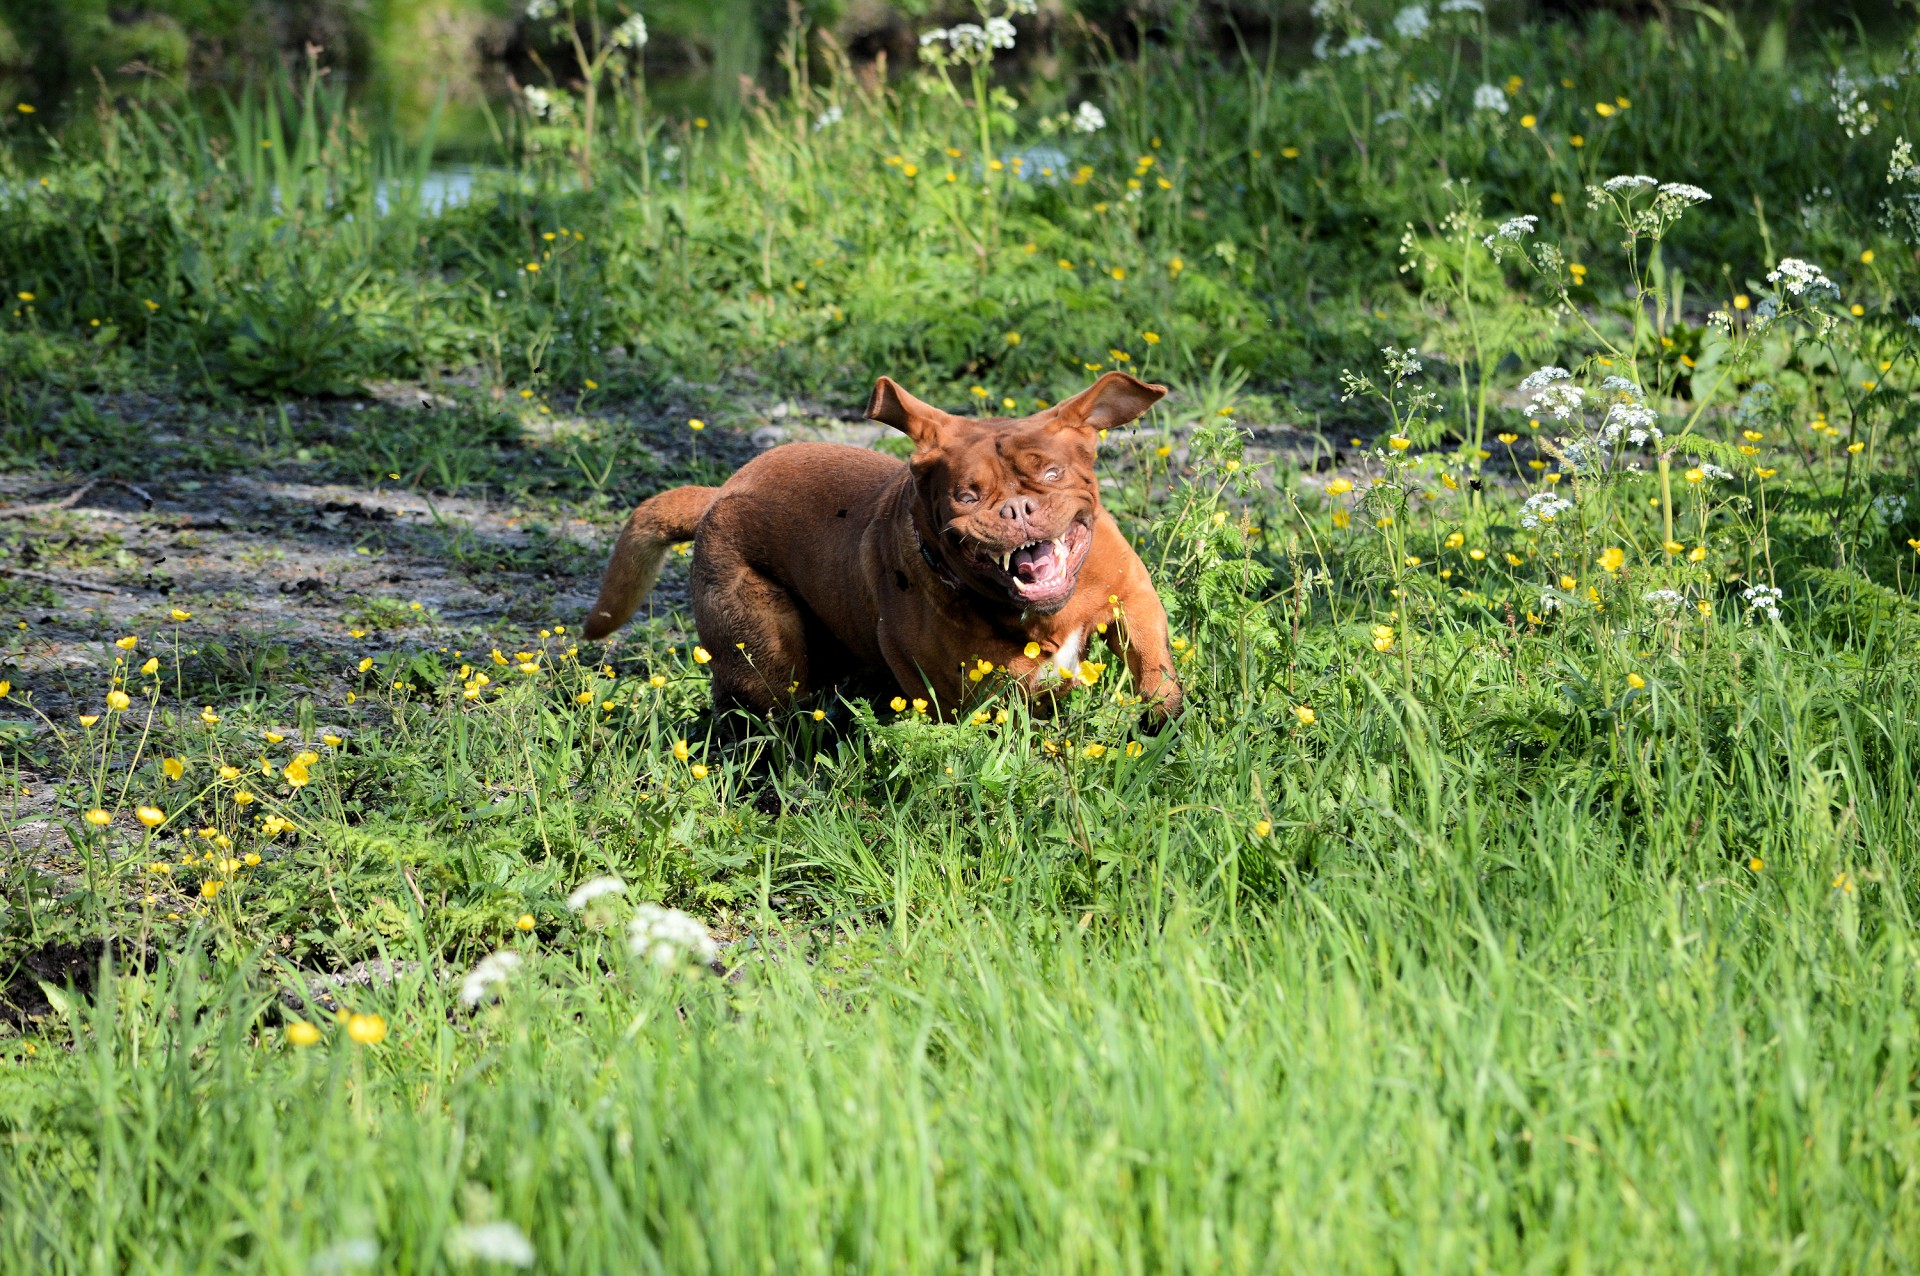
<point>921,422</point>
<point>1114,399</point>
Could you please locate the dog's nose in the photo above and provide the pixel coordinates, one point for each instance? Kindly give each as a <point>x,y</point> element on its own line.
<point>1019,508</point>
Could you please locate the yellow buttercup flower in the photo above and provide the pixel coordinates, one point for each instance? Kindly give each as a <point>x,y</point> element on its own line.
<point>209,888</point>
<point>1304,714</point>
<point>524,922</point>
<point>898,704</point>
<point>701,655</point>
<point>699,770</point>
<point>1635,681</point>
<point>118,700</point>
<point>98,818</point>
<point>128,643</point>
<point>152,666</point>
<point>1567,582</point>
<point>302,1033</point>
<point>1383,638</point>
<point>1262,827</point>
<point>151,816</point>
<point>367,1030</point>
<point>1612,558</point>
<point>1339,487</point>
<point>1455,540</point>
<point>88,719</point>
<point>680,751</point>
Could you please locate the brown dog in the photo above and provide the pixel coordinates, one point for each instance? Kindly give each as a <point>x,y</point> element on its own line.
<point>819,562</point>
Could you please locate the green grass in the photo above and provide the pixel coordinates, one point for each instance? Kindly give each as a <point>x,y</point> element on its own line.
<point>1483,911</point>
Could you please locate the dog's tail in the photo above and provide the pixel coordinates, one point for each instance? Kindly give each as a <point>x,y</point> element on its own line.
<point>656,525</point>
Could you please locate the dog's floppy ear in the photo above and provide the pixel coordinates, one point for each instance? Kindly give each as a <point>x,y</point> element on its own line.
<point>1114,399</point>
<point>890,405</point>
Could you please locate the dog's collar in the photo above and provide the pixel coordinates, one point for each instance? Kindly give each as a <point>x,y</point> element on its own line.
<point>940,569</point>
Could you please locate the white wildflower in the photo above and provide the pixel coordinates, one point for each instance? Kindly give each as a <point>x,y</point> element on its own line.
<point>1852,108</point>
<point>1560,401</point>
<point>1089,118</point>
<point>1890,508</point>
<point>631,34</point>
<point>1512,230</point>
<point>353,1254</point>
<point>1423,95</point>
<point>829,117</point>
<point>1462,6</point>
<point>1913,321</point>
<point>1543,378</point>
<point>538,100</point>
<point>479,981</point>
<point>1681,193</point>
<point>1627,184</point>
<point>967,38</point>
<point>1000,33</point>
<point>1634,420</point>
<point>1358,46</point>
<point>1024,7</point>
<point>1671,599</point>
<point>1388,117</point>
<point>930,38</point>
<point>1762,598</point>
<point>593,888</point>
<point>541,10</point>
<point>1411,23</point>
<point>1622,386</point>
<point>668,937</point>
<point>1490,97</point>
<point>1549,602</point>
<point>1543,507</point>
<point>491,1243</point>
<point>1799,277</point>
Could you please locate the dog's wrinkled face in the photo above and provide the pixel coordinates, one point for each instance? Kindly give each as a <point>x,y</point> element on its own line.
<point>1010,504</point>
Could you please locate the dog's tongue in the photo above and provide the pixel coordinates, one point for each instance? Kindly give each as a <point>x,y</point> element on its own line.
<point>1036,562</point>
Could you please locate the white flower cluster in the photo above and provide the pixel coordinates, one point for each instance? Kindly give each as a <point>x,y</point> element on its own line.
<point>1634,420</point>
<point>485,976</point>
<point>1543,507</point>
<point>498,1242</point>
<point>1552,395</point>
<point>541,10</point>
<point>1712,471</point>
<point>1401,364</point>
<point>1511,230</point>
<point>631,34</point>
<point>1762,598</point>
<point>593,888</point>
<point>1800,277</point>
<point>969,41</point>
<point>1890,508</point>
<point>1462,6</point>
<point>1423,95</point>
<point>1671,599</point>
<point>1359,46</point>
<point>1490,97</point>
<point>1682,193</point>
<point>1628,183</point>
<point>1023,7</point>
<point>668,937</point>
<point>829,117</point>
<point>1412,22</point>
<point>1089,118</point>
<point>538,100</point>
<point>1852,107</point>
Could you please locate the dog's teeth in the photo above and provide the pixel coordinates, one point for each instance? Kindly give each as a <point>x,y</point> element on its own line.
<point>1006,561</point>
<point>1060,546</point>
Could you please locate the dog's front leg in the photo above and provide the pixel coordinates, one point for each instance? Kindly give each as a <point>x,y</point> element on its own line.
<point>1140,638</point>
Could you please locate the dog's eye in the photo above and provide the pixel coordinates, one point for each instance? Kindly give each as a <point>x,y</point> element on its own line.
<point>965,498</point>
<point>1053,475</point>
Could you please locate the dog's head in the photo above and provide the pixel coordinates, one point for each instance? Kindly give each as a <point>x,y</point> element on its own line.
<point>1010,503</point>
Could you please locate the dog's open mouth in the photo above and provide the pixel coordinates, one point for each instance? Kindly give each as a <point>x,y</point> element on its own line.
<point>1039,573</point>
